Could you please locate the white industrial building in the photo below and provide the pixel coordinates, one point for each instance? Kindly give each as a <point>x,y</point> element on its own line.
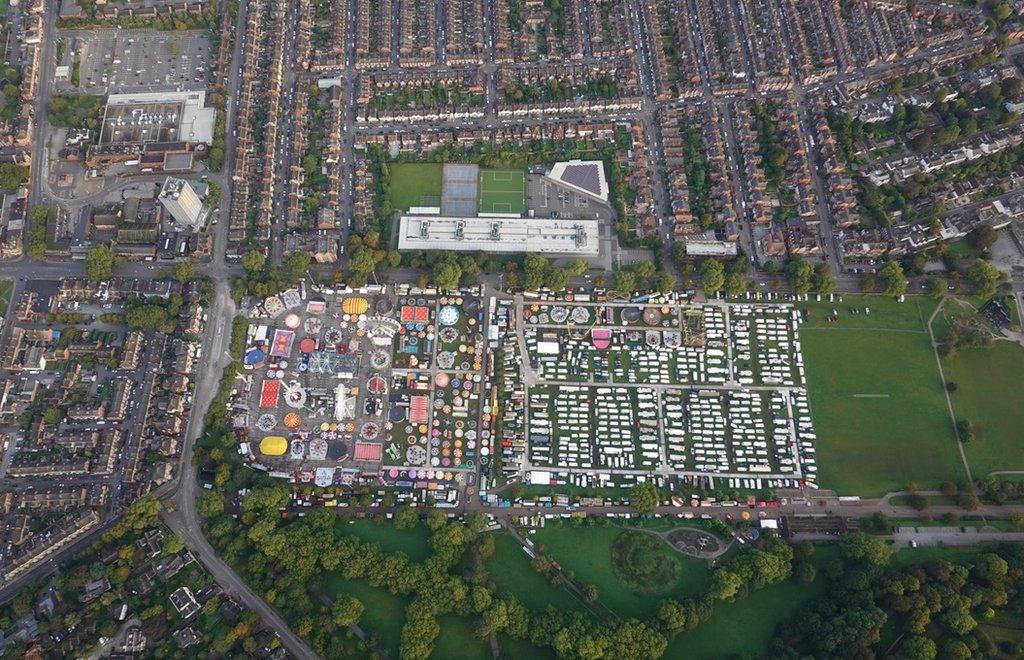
<point>507,235</point>
<point>158,117</point>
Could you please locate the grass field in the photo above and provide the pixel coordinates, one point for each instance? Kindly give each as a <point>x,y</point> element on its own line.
<point>384,614</point>
<point>876,397</point>
<point>415,184</point>
<point>512,573</point>
<point>458,641</point>
<point>415,542</point>
<point>502,191</point>
<point>586,551</point>
<point>990,394</point>
<point>746,626</point>
<point>513,649</point>
<point>1004,627</point>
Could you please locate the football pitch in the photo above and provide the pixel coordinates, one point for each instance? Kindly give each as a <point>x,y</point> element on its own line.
<point>502,191</point>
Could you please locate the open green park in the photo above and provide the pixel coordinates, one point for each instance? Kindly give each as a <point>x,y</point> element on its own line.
<point>384,615</point>
<point>876,396</point>
<point>510,568</point>
<point>590,555</point>
<point>879,402</point>
<point>415,542</point>
<point>990,395</point>
<point>746,626</point>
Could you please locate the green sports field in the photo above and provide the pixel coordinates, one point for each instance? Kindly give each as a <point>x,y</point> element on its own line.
<point>502,191</point>
<point>415,184</point>
<point>876,397</point>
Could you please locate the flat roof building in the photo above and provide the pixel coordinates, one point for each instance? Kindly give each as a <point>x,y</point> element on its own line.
<point>184,205</point>
<point>157,117</point>
<point>503,235</point>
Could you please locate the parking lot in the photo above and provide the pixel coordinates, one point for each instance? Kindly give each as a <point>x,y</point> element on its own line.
<point>119,61</point>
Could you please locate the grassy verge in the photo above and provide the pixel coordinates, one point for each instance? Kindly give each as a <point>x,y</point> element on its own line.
<point>6,288</point>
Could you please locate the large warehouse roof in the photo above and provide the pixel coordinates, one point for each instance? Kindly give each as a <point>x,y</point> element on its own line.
<point>158,117</point>
<point>539,235</point>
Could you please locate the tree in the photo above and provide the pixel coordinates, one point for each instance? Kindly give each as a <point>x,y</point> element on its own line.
<point>1002,11</point>
<point>935,286</point>
<point>644,270</point>
<point>968,501</point>
<point>965,430</point>
<point>436,520</point>
<point>52,416</point>
<point>99,263</point>
<point>724,584</point>
<point>447,275</point>
<point>347,611</point>
<point>591,592</point>
<point>824,280</point>
<point>666,282</point>
<point>295,265</point>
<point>12,175</point>
<point>862,547</point>
<point>183,271</point>
<point>866,284</point>
<point>624,282</point>
<point>804,572</point>
<point>577,267</point>
<point>557,279</point>
<point>535,269</point>
<point>253,261</point>
<point>644,497</point>
<point>893,281</point>
<point>406,517</point>
<point>210,504</point>
<point>712,276</point>
<point>918,647</point>
<point>735,284</point>
<point>982,237</point>
<point>800,274</point>
<point>984,277</point>
<point>173,544</point>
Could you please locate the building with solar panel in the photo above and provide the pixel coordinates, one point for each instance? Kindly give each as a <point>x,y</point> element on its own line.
<point>582,176</point>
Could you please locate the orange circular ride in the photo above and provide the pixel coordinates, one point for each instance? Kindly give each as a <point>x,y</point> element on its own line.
<point>355,305</point>
<point>292,420</point>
